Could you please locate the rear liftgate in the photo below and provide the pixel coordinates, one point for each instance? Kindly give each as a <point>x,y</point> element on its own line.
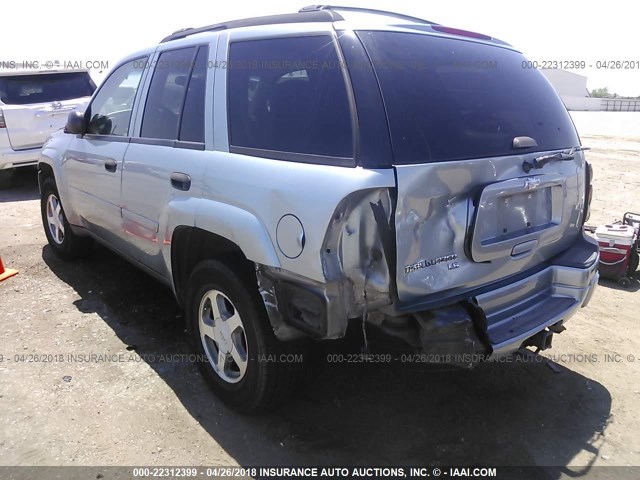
<point>462,228</point>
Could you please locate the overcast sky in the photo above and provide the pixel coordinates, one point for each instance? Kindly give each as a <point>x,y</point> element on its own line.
<point>72,30</point>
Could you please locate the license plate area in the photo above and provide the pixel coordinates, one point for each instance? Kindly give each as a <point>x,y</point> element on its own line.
<point>512,215</point>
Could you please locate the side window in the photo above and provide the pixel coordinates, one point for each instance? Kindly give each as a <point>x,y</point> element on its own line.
<point>110,110</point>
<point>161,118</point>
<point>192,123</point>
<point>289,95</point>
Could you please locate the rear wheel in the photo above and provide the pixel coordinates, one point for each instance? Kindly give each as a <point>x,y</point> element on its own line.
<point>624,282</point>
<point>61,238</point>
<point>240,357</point>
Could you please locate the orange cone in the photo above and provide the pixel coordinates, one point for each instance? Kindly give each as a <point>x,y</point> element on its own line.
<point>6,273</point>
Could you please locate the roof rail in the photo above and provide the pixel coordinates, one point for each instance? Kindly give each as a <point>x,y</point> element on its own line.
<point>320,8</point>
<point>321,15</point>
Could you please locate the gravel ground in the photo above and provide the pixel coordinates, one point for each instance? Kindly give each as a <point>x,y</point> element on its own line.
<point>133,404</point>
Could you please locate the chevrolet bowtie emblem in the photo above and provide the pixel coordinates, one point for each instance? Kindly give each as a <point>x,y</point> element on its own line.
<point>531,183</point>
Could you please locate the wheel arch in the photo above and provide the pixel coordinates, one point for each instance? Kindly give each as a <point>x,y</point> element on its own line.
<point>191,245</point>
<point>51,160</point>
<point>45,171</point>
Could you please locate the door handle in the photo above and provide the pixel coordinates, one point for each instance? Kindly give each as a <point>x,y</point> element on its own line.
<point>180,181</point>
<point>110,165</point>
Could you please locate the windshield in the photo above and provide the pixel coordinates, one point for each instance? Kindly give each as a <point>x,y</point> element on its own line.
<point>43,88</point>
<point>450,99</point>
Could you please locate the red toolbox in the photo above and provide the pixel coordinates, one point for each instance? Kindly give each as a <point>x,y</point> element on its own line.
<point>618,250</point>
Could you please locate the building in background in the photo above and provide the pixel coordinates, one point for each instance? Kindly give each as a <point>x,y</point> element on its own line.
<point>573,91</point>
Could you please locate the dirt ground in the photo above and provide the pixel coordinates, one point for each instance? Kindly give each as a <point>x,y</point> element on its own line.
<point>131,405</point>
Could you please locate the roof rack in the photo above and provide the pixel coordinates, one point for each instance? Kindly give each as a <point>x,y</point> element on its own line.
<point>311,13</point>
<point>319,15</point>
<point>320,8</point>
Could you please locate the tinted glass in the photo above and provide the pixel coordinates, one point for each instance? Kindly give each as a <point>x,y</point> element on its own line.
<point>192,123</point>
<point>167,91</point>
<point>453,99</point>
<point>289,95</point>
<point>110,110</point>
<point>48,87</point>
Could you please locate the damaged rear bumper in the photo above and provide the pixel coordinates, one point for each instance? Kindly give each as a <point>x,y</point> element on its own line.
<point>495,320</point>
<point>518,312</point>
<point>527,310</point>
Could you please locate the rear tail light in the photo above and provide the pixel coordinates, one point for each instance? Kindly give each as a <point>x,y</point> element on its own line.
<point>2,124</point>
<point>461,33</point>
<point>588,194</point>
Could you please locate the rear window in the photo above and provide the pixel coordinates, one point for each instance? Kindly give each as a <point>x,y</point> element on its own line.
<point>42,88</point>
<point>450,99</point>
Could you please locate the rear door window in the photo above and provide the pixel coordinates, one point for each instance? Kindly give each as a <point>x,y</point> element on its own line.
<point>450,99</point>
<point>289,95</point>
<point>45,88</point>
<point>165,100</point>
<point>175,103</point>
<point>192,121</point>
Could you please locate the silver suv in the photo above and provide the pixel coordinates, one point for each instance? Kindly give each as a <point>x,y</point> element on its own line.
<point>34,103</point>
<point>288,175</point>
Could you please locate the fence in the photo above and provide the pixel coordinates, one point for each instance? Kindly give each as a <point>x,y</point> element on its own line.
<point>619,105</point>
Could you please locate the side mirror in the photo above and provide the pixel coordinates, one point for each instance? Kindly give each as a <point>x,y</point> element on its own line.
<point>76,123</point>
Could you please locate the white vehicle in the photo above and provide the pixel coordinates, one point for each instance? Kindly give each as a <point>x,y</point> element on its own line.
<point>33,105</point>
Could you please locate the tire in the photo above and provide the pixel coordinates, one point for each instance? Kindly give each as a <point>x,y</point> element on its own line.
<point>64,243</point>
<point>5,177</point>
<point>624,282</point>
<point>259,380</point>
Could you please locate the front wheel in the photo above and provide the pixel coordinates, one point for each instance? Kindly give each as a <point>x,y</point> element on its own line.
<point>240,357</point>
<point>63,241</point>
